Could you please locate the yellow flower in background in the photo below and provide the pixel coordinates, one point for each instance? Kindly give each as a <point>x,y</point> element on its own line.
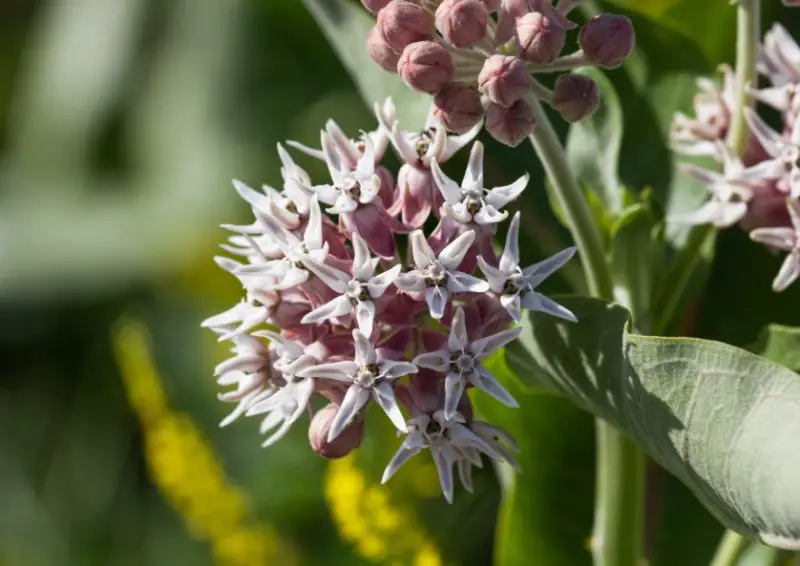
<point>185,468</point>
<point>365,516</point>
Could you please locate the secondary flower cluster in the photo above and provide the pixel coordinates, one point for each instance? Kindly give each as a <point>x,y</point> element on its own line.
<point>477,58</point>
<point>332,310</point>
<point>760,190</point>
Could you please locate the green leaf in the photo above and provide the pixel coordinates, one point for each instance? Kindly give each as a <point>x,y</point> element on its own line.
<point>546,510</point>
<point>593,144</point>
<point>346,25</point>
<point>779,344</point>
<point>721,419</point>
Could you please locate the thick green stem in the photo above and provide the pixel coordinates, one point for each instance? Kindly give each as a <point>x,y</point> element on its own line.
<point>730,548</point>
<point>619,501</point>
<point>747,38</point>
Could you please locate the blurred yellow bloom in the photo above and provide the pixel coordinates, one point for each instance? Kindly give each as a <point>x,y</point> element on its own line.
<point>185,468</point>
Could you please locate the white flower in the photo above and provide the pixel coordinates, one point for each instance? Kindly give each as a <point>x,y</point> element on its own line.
<point>357,293</point>
<point>461,362</point>
<point>369,376</point>
<point>449,440</point>
<point>787,239</point>
<point>283,403</point>
<point>780,57</point>
<point>239,319</point>
<point>785,154</point>
<point>515,286</point>
<point>471,202</point>
<point>351,186</point>
<point>248,369</point>
<point>437,276</point>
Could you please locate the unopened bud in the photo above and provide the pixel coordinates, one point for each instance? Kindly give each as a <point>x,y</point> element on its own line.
<point>381,53</point>
<point>347,440</point>
<point>402,23</point>
<point>539,38</point>
<point>426,66</point>
<point>510,125</point>
<point>458,107</point>
<point>575,97</point>
<point>462,22</point>
<point>607,40</point>
<point>375,6</point>
<point>504,79</point>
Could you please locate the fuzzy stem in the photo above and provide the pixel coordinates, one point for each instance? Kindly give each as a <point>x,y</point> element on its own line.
<point>619,505</point>
<point>748,30</point>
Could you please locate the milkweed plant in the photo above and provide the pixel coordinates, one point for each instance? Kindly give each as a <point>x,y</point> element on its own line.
<point>402,287</point>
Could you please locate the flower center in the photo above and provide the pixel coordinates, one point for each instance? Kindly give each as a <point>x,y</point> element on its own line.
<point>435,275</point>
<point>434,432</point>
<point>424,140</point>
<point>367,375</point>
<point>473,200</point>
<point>357,291</point>
<point>462,362</point>
<point>515,284</point>
<point>352,189</point>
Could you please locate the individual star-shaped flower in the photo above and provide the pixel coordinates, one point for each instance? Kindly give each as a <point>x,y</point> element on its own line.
<point>357,293</point>
<point>729,194</point>
<point>461,362</point>
<point>438,276</point>
<point>516,287</point>
<point>785,154</point>
<point>471,203</point>
<point>369,376</point>
<point>784,238</point>
<point>450,441</point>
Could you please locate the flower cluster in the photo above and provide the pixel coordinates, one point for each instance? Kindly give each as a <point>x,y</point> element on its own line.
<point>477,58</point>
<point>333,310</point>
<point>760,189</point>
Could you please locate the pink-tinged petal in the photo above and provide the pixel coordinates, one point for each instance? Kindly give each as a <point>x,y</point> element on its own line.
<point>370,188</point>
<point>365,316</point>
<point>401,143</point>
<point>384,397</point>
<point>437,298</point>
<point>375,226</point>
<point>781,238</point>
<point>459,282</point>
<point>411,446</point>
<point>420,249</point>
<point>769,139</point>
<point>501,196</point>
<point>302,148</point>
<point>416,187</point>
<point>332,277</point>
<point>788,273</point>
<point>365,167</point>
<point>340,371</point>
<point>709,213</point>
<point>488,215</point>
<point>292,278</point>
<point>365,353</point>
<point>332,158</point>
<point>483,347</point>
<point>453,253</point>
<point>411,282</point>
<point>537,302</point>
<point>354,400</point>
<point>342,205</point>
<point>793,205</point>
<point>245,363</point>
<point>777,97</point>
<point>437,146</point>
<point>362,261</point>
<point>342,144</point>
<point>512,305</point>
<point>473,177</point>
<point>794,182</point>
<point>377,285</point>
<point>312,235</point>
<point>391,369</point>
<point>444,467</point>
<point>449,188</point>
<point>495,277</point>
<point>703,175</point>
<point>438,360</point>
<point>731,213</point>
<point>465,474</point>
<point>454,386</point>
<point>455,143</point>
<point>794,136</point>
<point>339,306</point>
<point>458,339</point>
<point>253,197</point>
<point>485,381</point>
<point>540,271</point>
<point>457,212</point>
<point>326,193</point>
<point>509,260</point>
<point>766,170</point>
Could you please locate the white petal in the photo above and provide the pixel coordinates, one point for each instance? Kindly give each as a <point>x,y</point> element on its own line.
<point>457,339</point>
<point>463,436</point>
<point>365,352</point>
<point>766,170</point>
<point>512,305</point>
<point>438,360</point>
<point>340,371</point>
<point>537,302</point>
<point>499,197</point>
<point>788,273</point>
<point>402,145</point>
<point>339,306</point>
<point>454,143</point>
<point>794,213</point>
<point>509,260</point>
<point>421,250</point>
<point>473,177</point>
<point>453,389</point>
<point>410,447</point>
<point>354,399</point>
<point>247,363</point>
<point>335,279</point>
<point>362,261</point>
<point>326,193</point>
<point>457,212</point>
<point>770,140</point>
<point>365,316</point>
<point>342,205</point>
<point>384,397</point>
<point>465,474</point>
<point>445,469</point>
<point>253,197</point>
<point>377,285</point>
<point>485,346</point>
<point>437,298</point>
<point>705,176</point>
<point>540,271</point>
<point>794,182</point>
<point>366,163</point>
<point>449,188</point>
<point>413,281</point>
<point>460,282</point>
<point>489,215</point>
<point>495,277</point>
<point>311,152</point>
<point>778,237</point>
<point>312,236</point>
<point>708,213</point>
<point>392,369</point>
<point>731,213</point>
<point>453,254</point>
<point>487,382</point>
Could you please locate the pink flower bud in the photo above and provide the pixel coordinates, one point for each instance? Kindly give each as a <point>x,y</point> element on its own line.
<point>375,6</point>
<point>462,22</point>
<point>510,125</point>
<point>607,40</point>
<point>539,38</point>
<point>575,97</point>
<point>402,23</point>
<point>347,441</point>
<point>458,107</point>
<point>504,79</point>
<point>381,53</point>
<point>426,66</point>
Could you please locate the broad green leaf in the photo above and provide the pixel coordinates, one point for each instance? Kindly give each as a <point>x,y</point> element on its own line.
<point>780,344</point>
<point>346,25</point>
<point>721,419</point>
<point>546,513</point>
<point>593,144</point>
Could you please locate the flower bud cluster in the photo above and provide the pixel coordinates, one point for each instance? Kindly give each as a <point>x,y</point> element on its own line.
<point>336,307</point>
<point>758,190</point>
<point>478,58</point>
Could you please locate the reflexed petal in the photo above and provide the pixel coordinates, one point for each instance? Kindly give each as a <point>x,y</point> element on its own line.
<point>709,213</point>
<point>510,258</point>
<point>454,143</point>
<point>365,353</point>
<point>326,193</point>
<point>445,469</point>
<point>463,436</point>
<point>488,431</point>
<point>788,273</point>
<point>495,277</point>
<point>377,285</point>
<point>339,306</point>
<point>331,157</point>
<point>499,197</point>
<point>340,371</point>
<point>457,212</point>
<point>540,271</point>
<point>311,152</point>
<point>343,204</point>
<point>400,142</point>
<point>366,163</point>
<point>794,137</point>
<point>473,177</point>
<point>465,474</point>
<point>453,389</point>
<point>730,214</point>
<point>453,253</point>
<point>312,236</point>
<point>438,360</point>
<point>777,237</point>
<point>770,140</point>
<point>384,397</point>
<point>485,346</point>
<point>512,305</point>
<point>365,316</point>
<point>457,339</point>
<point>421,250</point>
<point>411,446</point>
<point>537,302</point>
<point>489,215</point>
<point>449,188</point>
<point>766,170</point>
<point>794,181</point>
<point>460,282</point>
<point>335,279</point>
<point>247,363</point>
<point>794,213</point>
<point>391,369</point>
<point>354,399</point>
<point>437,298</point>
<point>278,434</point>
<point>705,176</point>
<point>412,281</point>
<point>362,261</point>
<point>484,380</point>
<point>253,197</point>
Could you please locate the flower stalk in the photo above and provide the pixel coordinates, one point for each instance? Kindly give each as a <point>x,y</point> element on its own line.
<point>748,23</point>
